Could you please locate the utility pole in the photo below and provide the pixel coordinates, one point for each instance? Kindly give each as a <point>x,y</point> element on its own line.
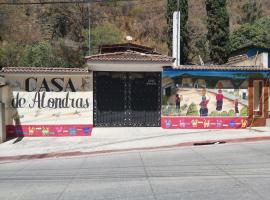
<point>178,34</point>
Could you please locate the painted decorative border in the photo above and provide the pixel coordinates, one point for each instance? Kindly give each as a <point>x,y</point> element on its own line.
<point>204,122</point>
<point>48,130</point>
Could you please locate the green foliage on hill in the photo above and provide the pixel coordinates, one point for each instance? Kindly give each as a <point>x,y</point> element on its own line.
<point>9,54</point>
<point>41,54</point>
<point>65,28</point>
<point>250,12</point>
<point>252,34</point>
<point>105,34</point>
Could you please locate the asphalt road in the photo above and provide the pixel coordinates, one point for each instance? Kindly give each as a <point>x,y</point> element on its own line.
<point>224,171</point>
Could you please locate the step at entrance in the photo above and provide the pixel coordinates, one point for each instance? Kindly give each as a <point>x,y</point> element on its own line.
<point>127,99</point>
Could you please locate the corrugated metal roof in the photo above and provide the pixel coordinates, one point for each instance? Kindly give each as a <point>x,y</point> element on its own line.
<point>236,59</point>
<point>130,56</point>
<point>42,70</point>
<point>112,48</point>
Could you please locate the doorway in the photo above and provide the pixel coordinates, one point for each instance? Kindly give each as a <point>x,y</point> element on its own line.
<point>258,101</point>
<point>127,99</point>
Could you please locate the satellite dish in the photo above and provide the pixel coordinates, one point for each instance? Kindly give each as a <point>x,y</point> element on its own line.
<point>129,38</point>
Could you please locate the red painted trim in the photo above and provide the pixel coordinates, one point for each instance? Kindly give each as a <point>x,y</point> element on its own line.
<point>49,130</point>
<point>204,122</point>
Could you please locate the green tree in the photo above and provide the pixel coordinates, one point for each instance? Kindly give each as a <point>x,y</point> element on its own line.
<point>263,22</point>
<point>250,12</point>
<point>247,35</point>
<point>41,54</point>
<point>184,40</point>
<point>251,34</point>
<point>101,35</point>
<point>218,30</point>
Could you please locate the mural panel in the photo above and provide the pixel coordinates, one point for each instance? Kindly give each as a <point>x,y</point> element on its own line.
<point>204,95</point>
<point>49,106</point>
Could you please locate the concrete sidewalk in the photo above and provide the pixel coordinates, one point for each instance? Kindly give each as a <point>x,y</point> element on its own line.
<point>117,139</point>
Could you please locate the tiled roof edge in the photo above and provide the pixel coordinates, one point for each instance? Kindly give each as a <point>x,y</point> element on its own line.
<point>163,58</point>
<point>42,70</point>
<point>221,68</point>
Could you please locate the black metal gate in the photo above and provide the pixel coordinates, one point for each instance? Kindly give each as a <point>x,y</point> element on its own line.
<point>127,99</point>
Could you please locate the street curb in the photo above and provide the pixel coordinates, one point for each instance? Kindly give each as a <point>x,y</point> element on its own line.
<point>183,144</point>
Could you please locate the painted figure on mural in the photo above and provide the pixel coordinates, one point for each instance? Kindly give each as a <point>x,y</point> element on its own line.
<point>236,108</point>
<point>206,124</point>
<point>177,103</point>
<point>194,123</point>
<point>203,105</point>
<point>219,98</point>
<point>244,123</point>
<point>219,123</point>
<point>168,123</point>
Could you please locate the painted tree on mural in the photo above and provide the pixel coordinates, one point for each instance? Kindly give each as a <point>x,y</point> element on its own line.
<point>192,110</point>
<point>172,6</point>
<point>218,30</point>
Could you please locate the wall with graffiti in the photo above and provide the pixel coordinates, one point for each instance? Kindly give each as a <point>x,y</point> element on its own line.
<point>52,105</point>
<point>205,99</point>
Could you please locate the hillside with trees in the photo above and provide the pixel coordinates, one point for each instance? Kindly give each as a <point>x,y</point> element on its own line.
<point>57,34</point>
